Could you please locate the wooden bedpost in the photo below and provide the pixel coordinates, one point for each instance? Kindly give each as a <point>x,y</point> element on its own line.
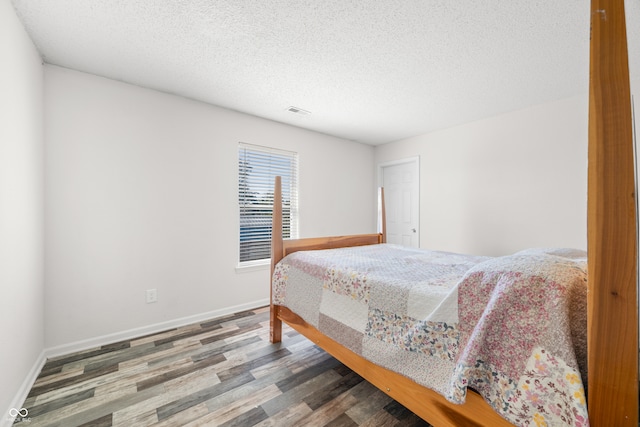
<point>382,217</point>
<point>612,235</point>
<point>275,324</point>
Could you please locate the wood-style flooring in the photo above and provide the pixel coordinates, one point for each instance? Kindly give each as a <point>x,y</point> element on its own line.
<point>222,372</point>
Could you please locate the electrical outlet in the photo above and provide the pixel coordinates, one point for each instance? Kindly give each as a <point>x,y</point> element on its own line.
<point>152,295</point>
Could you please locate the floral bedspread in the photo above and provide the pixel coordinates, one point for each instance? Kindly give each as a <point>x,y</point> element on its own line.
<point>512,328</point>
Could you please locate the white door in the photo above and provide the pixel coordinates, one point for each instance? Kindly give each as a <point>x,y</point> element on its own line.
<point>401,182</point>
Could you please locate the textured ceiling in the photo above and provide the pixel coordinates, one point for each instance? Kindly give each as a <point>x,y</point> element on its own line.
<point>370,71</point>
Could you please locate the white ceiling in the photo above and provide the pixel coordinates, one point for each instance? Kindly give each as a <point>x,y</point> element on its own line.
<point>371,71</point>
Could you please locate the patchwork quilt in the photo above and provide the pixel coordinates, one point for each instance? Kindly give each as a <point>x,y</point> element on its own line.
<point>512,328</point>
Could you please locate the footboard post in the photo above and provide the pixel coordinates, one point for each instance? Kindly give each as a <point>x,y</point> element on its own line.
<point>275,324</point>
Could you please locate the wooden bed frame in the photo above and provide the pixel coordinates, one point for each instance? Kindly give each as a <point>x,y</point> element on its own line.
<point>612,258</point>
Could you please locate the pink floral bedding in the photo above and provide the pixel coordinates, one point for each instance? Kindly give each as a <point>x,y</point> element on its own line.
<point>512,328</point>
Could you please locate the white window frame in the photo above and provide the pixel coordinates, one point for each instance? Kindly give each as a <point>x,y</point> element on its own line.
<point>255,188</point>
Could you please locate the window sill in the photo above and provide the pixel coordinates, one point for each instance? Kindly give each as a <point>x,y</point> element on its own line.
<point>248,267</point>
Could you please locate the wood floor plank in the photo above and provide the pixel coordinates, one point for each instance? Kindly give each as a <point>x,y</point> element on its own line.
<point>303,376</point>
<point>149,338</point>
<point>50,377</point>
<point>193,381</point>
<point>190,414</point>
<point>105,421</point>
<point>380,419</point>
<point>221,372</point>
<point>141,419</point>
<point>88,410</point>
<point>297,394</point>
<point>39,410</point>
<point>176,373</point>
<point>176,389</point>
<point>131,354</point>
<point>287,417</point>
<point>229,334</point>
<point>84,355</point>
<point>236,318</point>
<point>120,376</point>
<point>202,396</point>
<point>240,406</point>
<point>250,389</point>
<point>369,402</point>
<point>342,421</point>
<point>253,363</point>
<point>230,349</point>
<point>187,334</point>
<point>248,418</point>
<point>72,380</point>
<point>403,415</point>
<point>268,368</point>
<point>332,390</point>
<point>309,357</point>
<point>163,357</point>
<point>132,374</point>
<point>329,411</point>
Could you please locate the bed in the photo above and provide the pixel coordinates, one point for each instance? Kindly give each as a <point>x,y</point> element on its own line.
<point>610,374</point>
<point>513,328</point>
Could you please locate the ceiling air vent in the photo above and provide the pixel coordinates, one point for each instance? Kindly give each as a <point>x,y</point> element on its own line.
<point>298,111</point>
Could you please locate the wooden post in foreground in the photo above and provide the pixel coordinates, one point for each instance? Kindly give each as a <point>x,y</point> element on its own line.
<point>612,237</point>
<point>275,324</point>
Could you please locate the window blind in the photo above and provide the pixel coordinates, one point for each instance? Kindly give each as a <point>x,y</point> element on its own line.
<point>257,168</point>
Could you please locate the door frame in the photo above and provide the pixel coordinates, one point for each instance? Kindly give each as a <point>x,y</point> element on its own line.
<point>415,160</point>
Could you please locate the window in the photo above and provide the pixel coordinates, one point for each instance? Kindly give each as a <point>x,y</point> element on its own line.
<point>257,168</point>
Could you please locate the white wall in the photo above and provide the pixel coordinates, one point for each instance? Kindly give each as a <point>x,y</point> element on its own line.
<point>21,198</point>
<point>141,192</point>
<point>505,183</point>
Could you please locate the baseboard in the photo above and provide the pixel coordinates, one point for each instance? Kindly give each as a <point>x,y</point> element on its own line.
<point>8,416</point>
<point>146,330</point>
